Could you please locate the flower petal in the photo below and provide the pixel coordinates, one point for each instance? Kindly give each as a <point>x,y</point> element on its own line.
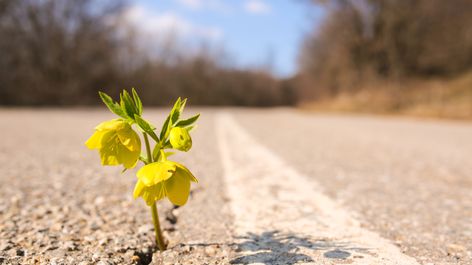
<point>156,172</point>
<point>138,189</point>
<point>178,189</point>
<point>128,158</point>
<point>108,151</point>
<point>181,169</point>
<point>129,138</point>
<point>109,125</point>
<point>95,141</point>
<point>153,193</point>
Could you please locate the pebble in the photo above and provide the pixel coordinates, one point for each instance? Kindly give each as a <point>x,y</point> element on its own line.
<point>99,200</point>
<point>210,250</point>
<point>104,262</point>
<point>135,258</point>
<point>20,252</point>
<point>145,229</point>
<point>4,246</point>
<point>90,238</point>
<point>70,246</point>
<point>455,248</point>
<point>103,241</point>
<point>457,251</point>
<point>96,257</point>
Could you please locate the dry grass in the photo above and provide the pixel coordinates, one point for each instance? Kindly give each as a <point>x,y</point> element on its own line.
<point>433,98</point>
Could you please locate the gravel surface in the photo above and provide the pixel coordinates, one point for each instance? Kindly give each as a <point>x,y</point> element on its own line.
<point>408,180</point>
<point>59,206</point>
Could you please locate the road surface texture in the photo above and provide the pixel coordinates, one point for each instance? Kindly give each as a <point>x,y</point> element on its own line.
<point>277,186</point>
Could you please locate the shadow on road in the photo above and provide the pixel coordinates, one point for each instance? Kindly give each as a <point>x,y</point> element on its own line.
<point>273,247</point>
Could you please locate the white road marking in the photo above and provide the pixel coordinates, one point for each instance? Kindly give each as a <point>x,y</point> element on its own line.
<point>282,217</point>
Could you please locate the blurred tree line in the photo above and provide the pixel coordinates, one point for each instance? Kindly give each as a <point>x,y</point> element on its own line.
<point>364,41</point>
<point>61,52</point>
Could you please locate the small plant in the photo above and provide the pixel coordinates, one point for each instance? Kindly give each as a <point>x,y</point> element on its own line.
<point>119,144</point>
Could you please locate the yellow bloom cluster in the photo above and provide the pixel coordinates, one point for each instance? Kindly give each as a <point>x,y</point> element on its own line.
<point>164,179</point>
<point>117,143</point>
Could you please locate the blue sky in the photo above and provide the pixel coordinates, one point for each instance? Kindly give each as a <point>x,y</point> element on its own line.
<point>254,32</point>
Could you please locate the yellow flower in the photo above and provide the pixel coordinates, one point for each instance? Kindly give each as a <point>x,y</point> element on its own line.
<point>164,179</point>
<point>117,143</point>
<point>180,139</point>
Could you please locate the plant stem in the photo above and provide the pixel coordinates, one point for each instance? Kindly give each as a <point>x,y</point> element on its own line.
<point>157,228</point>
<point>148,148</point>
<point>155,215</point>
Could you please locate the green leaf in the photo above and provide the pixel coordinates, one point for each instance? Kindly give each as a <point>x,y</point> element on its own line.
<point>128,103</point>
<point>132,103</point>
<point>175,112</point>
<point>182,105</point>
<point>112,106</point>
<point>137,101</point>
<point>146,126</point>
<point>126,108</point>
<point>167,145</point>
<point>165,128</point>
<point>173,116</point>
<point>188,122</point>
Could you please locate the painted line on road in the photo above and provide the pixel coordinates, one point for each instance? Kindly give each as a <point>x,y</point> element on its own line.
<point>282,217</point>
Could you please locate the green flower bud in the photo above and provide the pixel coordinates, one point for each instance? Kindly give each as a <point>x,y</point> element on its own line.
<point>180,139</point>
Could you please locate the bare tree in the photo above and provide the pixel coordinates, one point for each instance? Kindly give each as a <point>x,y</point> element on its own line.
<point>61,52</point>
<point>361,40</point>
<point>54,51</point>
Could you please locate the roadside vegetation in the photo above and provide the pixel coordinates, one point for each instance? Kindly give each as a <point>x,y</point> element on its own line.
<point>61,52</point>
<point>390,56</point>
<point>382,56</point>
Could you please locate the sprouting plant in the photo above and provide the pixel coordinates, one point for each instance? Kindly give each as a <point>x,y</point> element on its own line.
<point>119,144</point>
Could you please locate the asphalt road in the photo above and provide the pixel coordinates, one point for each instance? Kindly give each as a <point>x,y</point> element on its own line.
<point>277,186</point>
<point>408,180</point>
